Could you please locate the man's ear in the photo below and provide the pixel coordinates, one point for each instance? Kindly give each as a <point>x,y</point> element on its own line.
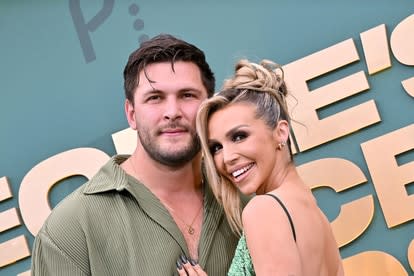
<point>281,132</point>
<point>130,114</point>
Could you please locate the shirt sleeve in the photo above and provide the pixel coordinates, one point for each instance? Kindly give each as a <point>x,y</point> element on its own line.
<point>49,259</point>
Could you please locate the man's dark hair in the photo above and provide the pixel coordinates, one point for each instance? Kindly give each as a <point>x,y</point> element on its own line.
<point>165,48</point>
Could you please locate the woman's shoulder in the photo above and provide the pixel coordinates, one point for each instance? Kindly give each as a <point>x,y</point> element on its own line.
<point>260,206</point>
<point>255,204</point>
<point>269,211</point>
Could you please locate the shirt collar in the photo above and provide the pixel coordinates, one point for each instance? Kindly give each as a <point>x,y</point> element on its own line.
<point>110,177</point>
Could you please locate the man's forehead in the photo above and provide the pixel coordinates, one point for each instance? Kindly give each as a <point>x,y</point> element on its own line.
<point>165,74</point>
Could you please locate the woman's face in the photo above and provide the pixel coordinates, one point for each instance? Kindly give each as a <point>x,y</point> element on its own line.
<point>243,147</point>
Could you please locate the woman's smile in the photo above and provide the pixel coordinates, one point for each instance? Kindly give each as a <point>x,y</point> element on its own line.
<point>241,173</point>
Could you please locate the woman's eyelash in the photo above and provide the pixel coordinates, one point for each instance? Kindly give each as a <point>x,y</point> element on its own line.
<point>238,136</point>
<point>214,148</point>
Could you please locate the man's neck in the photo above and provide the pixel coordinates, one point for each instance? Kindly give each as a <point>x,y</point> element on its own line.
<point>161,179</point>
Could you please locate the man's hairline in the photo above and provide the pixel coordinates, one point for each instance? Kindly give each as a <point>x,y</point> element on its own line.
<point>172,62</point>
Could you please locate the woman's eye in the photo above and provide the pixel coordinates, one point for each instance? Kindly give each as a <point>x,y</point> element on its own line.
<point>214,148</point>
<point>239,137</point>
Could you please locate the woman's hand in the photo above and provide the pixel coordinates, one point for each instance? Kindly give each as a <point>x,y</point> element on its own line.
<point>189,267</point>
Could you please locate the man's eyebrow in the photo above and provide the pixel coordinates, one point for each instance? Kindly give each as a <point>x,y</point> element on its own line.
<point>153,91</point>
<point>191,90</point>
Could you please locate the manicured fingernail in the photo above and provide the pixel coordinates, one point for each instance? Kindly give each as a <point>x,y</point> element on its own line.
<point>184,259</point>
<point>179,264</point>
<point>193,262</point>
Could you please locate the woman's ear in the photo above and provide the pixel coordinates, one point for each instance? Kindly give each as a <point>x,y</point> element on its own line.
<point>130,114</point>
<point>281,132</point>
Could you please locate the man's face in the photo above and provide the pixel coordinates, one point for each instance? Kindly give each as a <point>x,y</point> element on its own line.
<point>164,111</point>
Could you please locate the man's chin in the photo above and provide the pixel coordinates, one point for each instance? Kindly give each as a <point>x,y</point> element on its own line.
<point>177,159</point>
<point>172,144</point>
<point>176,152</point>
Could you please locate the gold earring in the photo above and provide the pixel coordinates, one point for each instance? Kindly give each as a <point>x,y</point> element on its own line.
<point>281,145</point>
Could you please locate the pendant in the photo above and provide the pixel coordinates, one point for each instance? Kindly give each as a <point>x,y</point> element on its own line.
<point>190,230</point>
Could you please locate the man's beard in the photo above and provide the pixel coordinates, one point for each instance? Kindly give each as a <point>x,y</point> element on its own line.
<point>168,157</point>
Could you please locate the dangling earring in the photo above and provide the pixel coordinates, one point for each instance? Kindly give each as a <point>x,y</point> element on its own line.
<point>281,145</point>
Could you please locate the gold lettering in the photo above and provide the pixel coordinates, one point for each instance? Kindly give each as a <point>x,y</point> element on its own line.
<point>13,250</point>
<point>125,141</point>
<point>401,41</point>
<point>373,263</point>
<point>35,186</point>
<point>408,86</point>
<point>341,174</point>
<point>16,248</point>
<point>410,254</point>
<point>304,108</point>
<point>388,178</point>
<point>402,46</point>
<point>375,45</point>
<point>5,192</point>
<point>9,219</point>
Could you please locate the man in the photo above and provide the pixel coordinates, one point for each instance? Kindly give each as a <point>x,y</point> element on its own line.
<point>141,213</point>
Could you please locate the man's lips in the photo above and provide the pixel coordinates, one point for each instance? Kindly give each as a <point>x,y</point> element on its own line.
<point>174,131</point>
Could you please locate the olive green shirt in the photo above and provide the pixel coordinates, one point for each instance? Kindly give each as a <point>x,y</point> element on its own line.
<point>113,225</point>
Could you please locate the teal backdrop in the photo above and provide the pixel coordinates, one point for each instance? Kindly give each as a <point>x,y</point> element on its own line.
<point>61,83</point>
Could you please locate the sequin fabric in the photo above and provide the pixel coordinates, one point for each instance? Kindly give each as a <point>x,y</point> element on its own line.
<point>242,261</point>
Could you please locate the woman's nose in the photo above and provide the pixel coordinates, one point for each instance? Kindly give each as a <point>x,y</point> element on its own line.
<point>229,155</point>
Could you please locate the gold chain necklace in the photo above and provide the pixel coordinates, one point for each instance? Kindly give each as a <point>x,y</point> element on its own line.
<point>190,228</point>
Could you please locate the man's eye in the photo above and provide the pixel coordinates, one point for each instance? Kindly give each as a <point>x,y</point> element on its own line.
<point>153,98</point>
<point>188,95</point>
<point>214,148</point>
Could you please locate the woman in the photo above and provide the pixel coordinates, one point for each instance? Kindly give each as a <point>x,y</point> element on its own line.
<point>244,133</point>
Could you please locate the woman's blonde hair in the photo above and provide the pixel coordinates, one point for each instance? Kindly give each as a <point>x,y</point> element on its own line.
<point>261,85</point>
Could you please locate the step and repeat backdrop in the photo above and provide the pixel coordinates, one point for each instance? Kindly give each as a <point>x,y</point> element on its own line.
<point>348,64</point>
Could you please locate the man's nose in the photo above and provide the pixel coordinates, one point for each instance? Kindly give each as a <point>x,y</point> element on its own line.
<point>172,110</point>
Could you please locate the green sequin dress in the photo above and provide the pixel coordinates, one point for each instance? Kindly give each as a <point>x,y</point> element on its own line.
<point>242,264</point>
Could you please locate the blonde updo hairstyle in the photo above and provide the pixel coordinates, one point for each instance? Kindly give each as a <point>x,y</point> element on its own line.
<point>261,85</point>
